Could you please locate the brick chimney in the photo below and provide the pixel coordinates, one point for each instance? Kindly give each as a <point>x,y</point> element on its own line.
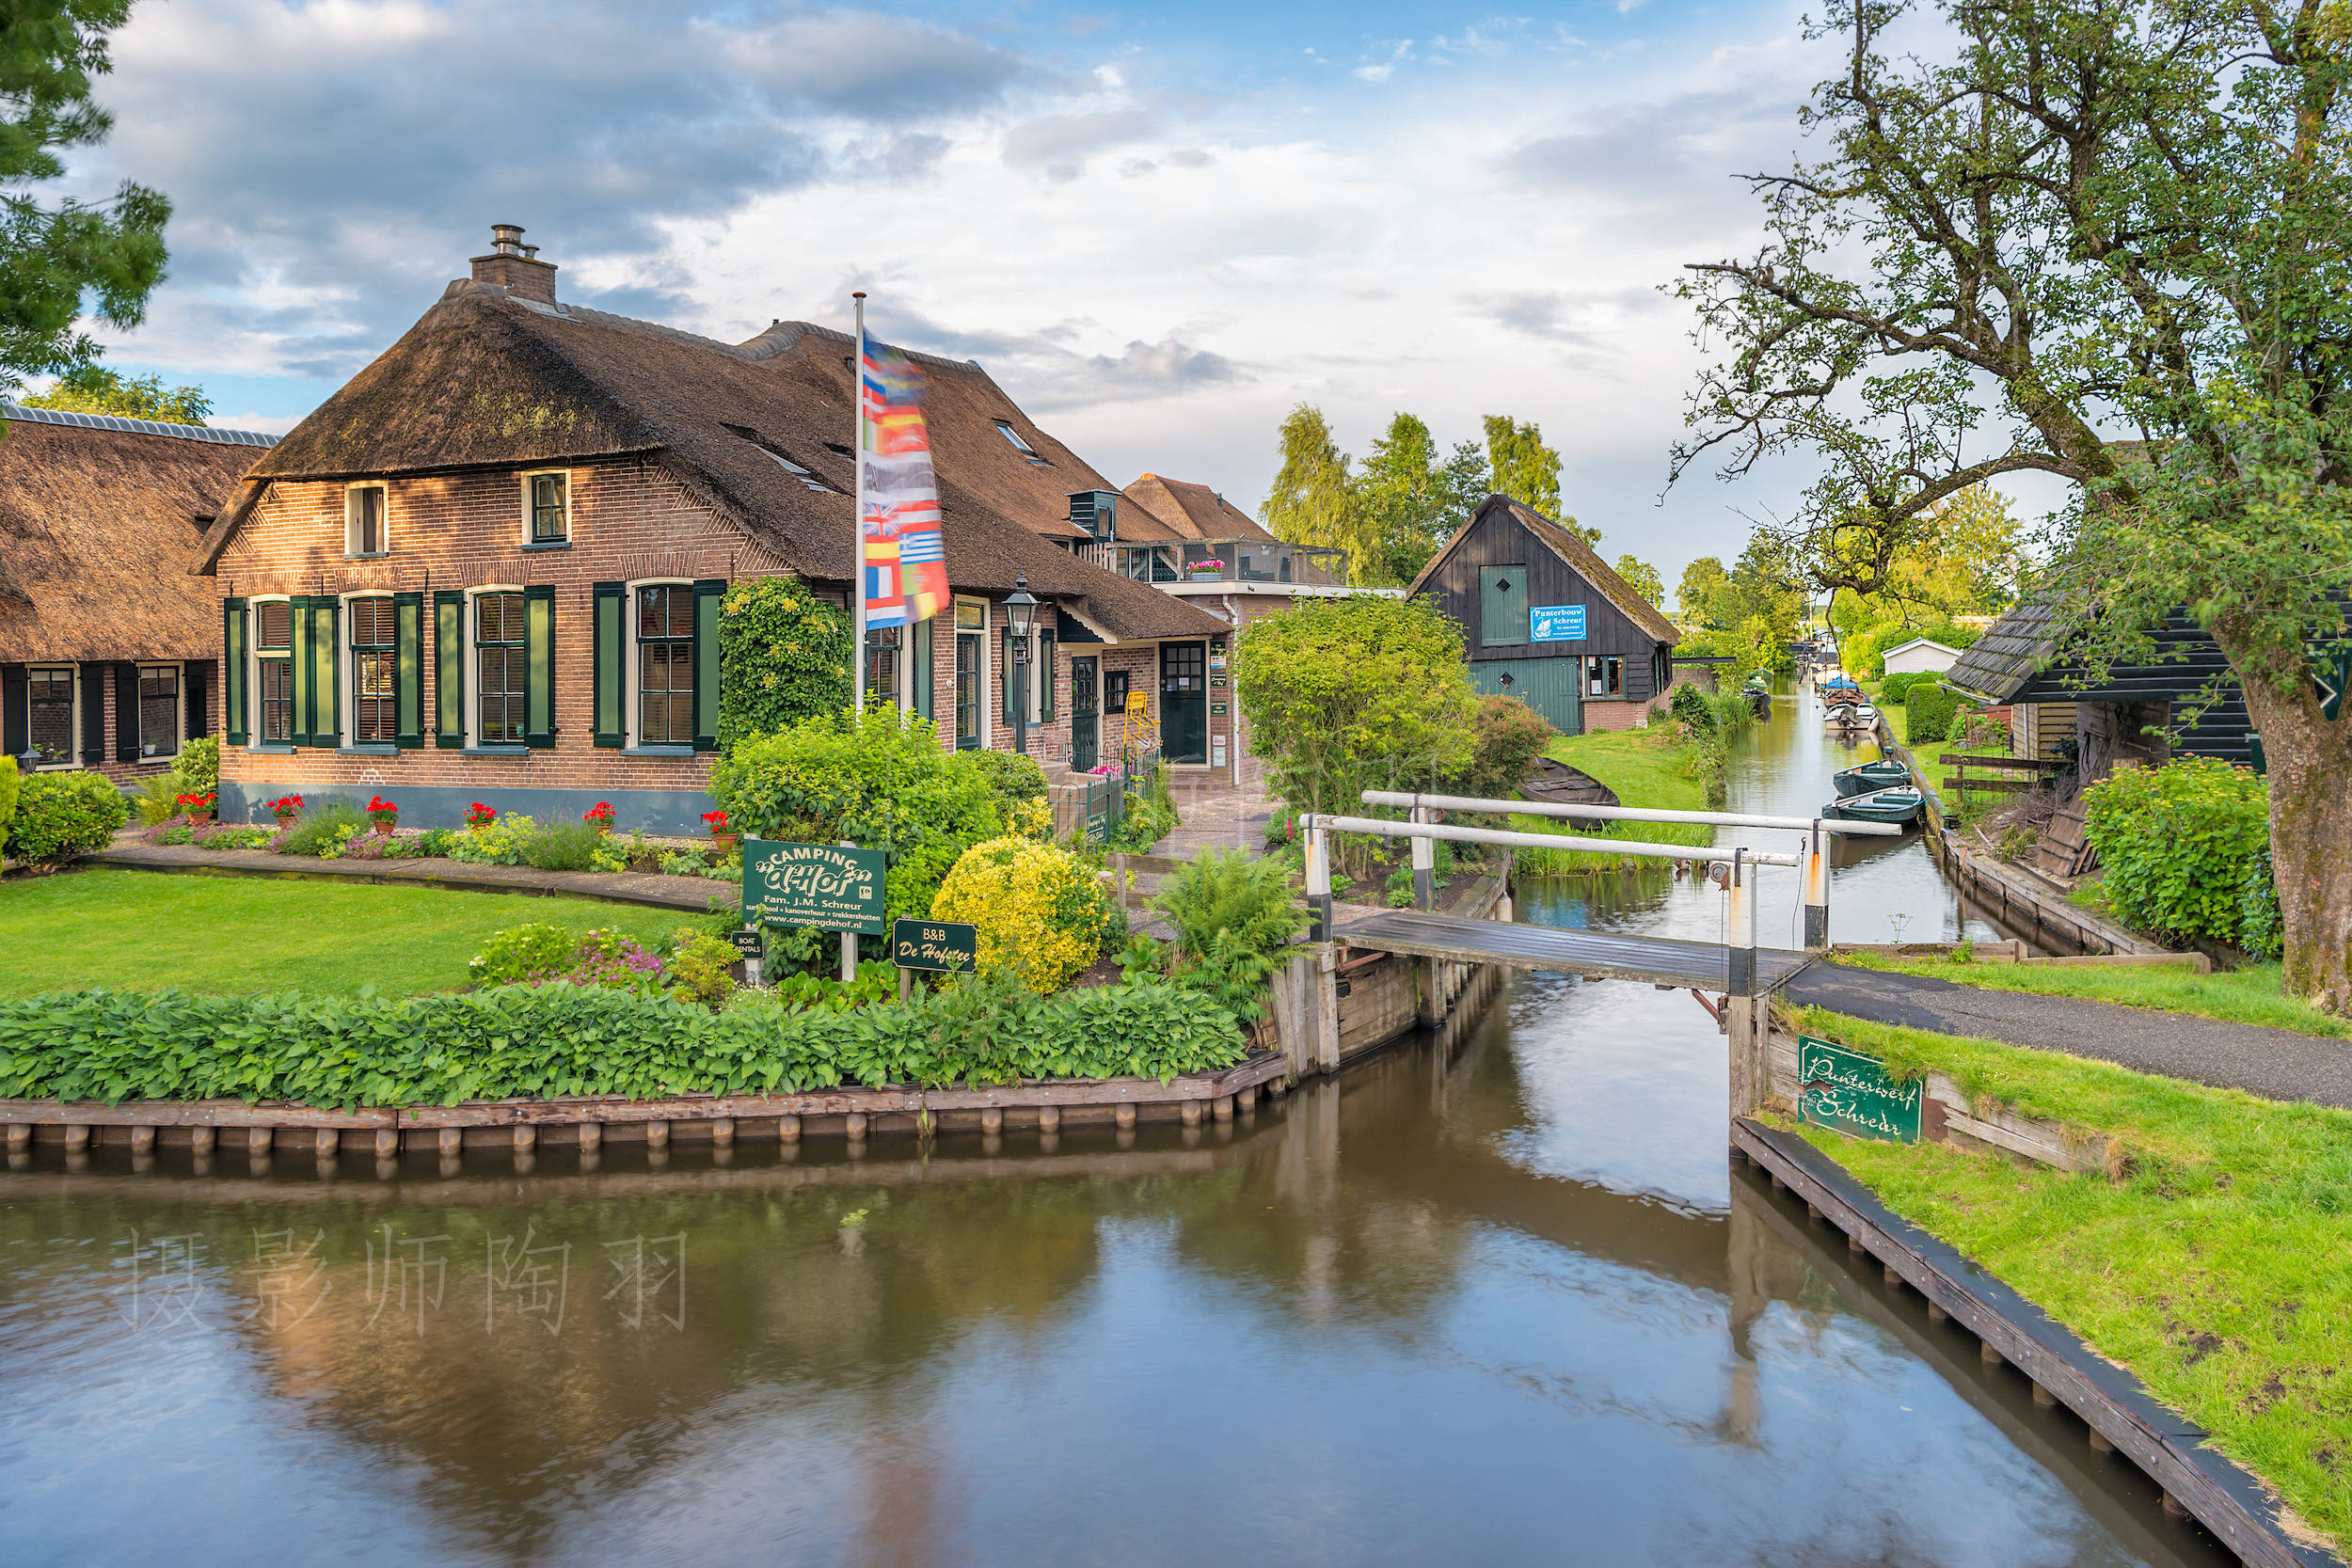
<point>516,267</point>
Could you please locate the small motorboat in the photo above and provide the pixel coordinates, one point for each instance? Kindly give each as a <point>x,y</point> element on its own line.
<point>1868,777</point>
<point>1884,805</point>
<point>1842,697</point>
<point>1850,716</point>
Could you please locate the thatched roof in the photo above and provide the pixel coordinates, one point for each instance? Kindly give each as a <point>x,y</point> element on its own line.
<point>485,380</point>
<point>1186,511</point>
<point>1573,552</point>
<point>100,517</point>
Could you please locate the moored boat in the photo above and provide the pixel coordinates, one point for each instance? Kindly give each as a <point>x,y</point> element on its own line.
<point>1866,778</point>
<point>1850,716</point>
<point>1884,805</point>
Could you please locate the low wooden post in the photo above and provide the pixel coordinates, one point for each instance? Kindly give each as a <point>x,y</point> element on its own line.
<point>1318,876</point>
<point>1425,864</point>
<point>526,1138</point>
<point>387,1142</point>
<point>992,1120</point>
<point>21,1136</point>
<point>658,1136</point>
<point>856,1124</point>
<point>200,1141</point>
<point>1189,1113</point>
<point>1746,1013</point>
<point>142,1140</point>
<point>1049,1120</point>
<point>76,1139</point>
<point>1326,1005</point>
<point>723,1131</point>
<point>789,1129</point>
<point>1817,889</point>
<point>591,1137</point>
<point>326,1142</point>
<point>1123,1116</point>
<point>451,1142</point>
<point>257,1140</point>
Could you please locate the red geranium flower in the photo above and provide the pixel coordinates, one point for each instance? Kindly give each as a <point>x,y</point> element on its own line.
<point>600,813</point>
<point>480,815</point>
<point>715,820</point>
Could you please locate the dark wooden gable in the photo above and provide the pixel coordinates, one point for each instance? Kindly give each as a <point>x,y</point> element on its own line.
<point>1538,579</point>
<point>2188,661</point>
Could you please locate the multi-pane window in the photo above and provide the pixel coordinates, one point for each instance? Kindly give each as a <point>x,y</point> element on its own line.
<point>882,664</point>
<point>551,509</point>
<point>159,710</point>
<point>1604,676</point>
<point>52,702</point>
<point>499,676</point>
<point>273,645</point>
<point>363,520</point>
<point>665,666</point>
<point>374,698</point>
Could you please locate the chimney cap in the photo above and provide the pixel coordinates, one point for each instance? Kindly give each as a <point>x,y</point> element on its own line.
<point>506,239</point>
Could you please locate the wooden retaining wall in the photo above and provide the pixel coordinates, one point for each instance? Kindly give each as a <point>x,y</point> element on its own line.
<point>1331,1004</point>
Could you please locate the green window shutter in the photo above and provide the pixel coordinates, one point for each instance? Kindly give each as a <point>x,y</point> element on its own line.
<point>326,685</point>
<point>539,665</point>
<point>1046,675</point>
<point>304,667</point>
<point>449,669</point>
<point>919,655</point>
<point>408,668</point>
<point>1501,606</point>
<point>232,670</point>
<point>611,627</point>
<point>1004,671</point>
<point>706,595</point>
<point>126,715</point>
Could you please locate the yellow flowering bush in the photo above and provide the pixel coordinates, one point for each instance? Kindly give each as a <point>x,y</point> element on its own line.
<point>1041,915</point>
<point>498,841</point>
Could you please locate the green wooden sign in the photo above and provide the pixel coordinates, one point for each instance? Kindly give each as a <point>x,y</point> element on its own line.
<point>819,885</point>
<point>1851,1092</point>
<point>942,946</point>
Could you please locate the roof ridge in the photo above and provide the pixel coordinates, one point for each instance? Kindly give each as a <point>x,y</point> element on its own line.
<point>9,410</point>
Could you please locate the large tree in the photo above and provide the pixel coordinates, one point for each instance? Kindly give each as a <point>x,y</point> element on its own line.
<point>2103,240</point>
<point>55,256</point>
<point>93,388</point>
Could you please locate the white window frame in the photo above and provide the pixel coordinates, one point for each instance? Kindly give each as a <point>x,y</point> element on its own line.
<point>529,542</point>
<point>906,667</point>
<point>256,719</point>
<point>468,632</point>
<point>347,660</point>
<point>351,520</point>
<point>987,663</point>
<point>74,729</point>
<point>632,676</point>
<point>180,735</point>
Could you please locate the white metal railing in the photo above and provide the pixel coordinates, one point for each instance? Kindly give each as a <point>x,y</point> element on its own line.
<point>1627,814</point>
<point>1422,833</point>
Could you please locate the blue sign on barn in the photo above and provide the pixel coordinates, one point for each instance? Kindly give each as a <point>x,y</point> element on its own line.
<point>1557,622</point>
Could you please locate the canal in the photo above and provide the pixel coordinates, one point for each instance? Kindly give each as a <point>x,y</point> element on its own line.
<point>1494,1300</point>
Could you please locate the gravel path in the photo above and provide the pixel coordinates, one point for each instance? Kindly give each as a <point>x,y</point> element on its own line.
<point>2276,1063</point>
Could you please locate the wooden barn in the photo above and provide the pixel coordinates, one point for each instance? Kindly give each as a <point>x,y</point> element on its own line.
<point>1545,620</point>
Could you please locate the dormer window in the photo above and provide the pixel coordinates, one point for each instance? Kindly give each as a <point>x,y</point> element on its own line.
<point>364,529</point>
<point>547,508</point>
<point>1021,443</point>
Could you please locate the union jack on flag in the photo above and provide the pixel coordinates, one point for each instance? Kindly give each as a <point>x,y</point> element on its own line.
<point>904,555</point>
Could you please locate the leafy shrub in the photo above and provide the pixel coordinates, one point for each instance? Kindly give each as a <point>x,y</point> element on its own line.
<point>1011,777</point>
<point>1041,915</point>
<point>1250,900</point>
<point>613,958</point>
<point>692,861</point>
<point>1692,709</point>
<point>562,847</point>
<point>436,842</point>
<point>199,764</point>
<point>1506,738</point>
<point>877,981</point>
<point>381,843</point>
<point>2180,844</point>
<point>158,797</point>
<point>1895,687</point>
<point>12,781</point>
<point>59,816</point>
<point>1931,711</point>
<point>520,1041</point>
<point>699,967</point>
<point>1147,815</point>
<point>878,780</point>
<point>2260,930</point>
<point>500,841</point>
<point>783,657</point>
<point>324,830</point>
<point>524,953</point>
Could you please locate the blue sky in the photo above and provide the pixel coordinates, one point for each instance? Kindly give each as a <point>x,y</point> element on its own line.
<point>1159,228</point>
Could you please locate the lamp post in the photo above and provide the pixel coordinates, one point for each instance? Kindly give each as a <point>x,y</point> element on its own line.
<point>1020,617</point>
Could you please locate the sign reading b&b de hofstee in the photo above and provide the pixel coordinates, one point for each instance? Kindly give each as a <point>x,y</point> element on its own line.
<point>819,885</point>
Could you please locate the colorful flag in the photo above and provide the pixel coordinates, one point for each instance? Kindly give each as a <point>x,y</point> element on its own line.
<point>905,559</point>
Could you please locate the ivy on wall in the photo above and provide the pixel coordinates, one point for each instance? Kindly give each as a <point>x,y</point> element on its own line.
<point>784,654</point>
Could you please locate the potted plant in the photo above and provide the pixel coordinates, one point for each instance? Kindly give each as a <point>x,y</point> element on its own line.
<point>720,839</point>
<point>381,811</point>
<point>286,808</point>
<point>198,807</point>
<point>479,815</point>
<point>599,816</point>
<point>1207,568</point>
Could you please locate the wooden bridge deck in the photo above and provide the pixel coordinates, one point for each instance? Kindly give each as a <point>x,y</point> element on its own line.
<point>1604,955</point>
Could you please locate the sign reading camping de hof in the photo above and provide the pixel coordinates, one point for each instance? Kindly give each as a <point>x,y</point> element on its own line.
<point>944,946</point>
<point>819,885</point>
<point>1851,1092</point>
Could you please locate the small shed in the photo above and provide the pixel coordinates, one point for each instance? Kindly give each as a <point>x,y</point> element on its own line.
<point>1921,655</point>
<point>1545,620</point>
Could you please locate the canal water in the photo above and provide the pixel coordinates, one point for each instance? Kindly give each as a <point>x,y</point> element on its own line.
<point>1491,1299</point>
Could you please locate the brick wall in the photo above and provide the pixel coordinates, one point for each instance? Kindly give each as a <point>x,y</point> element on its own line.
<point>102,697</point>
<point>1614,714</point>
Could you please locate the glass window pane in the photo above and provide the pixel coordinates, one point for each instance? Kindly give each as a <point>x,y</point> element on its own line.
<point>51,699</point>
<point>276,699</point>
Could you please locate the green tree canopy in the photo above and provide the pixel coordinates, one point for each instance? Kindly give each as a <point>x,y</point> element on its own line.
<point>1642,578</point>
<point>1695,593</point>
<point>1527,470</point>
<point>93,389</point>
<point>1312,501</point>
<point>56,256</point>
<point>2104,240</point>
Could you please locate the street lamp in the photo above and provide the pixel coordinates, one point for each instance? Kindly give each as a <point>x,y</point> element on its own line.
<point>1021,616</point>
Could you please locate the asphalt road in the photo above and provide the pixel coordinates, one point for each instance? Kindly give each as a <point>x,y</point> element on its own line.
<point>2276,1063</point>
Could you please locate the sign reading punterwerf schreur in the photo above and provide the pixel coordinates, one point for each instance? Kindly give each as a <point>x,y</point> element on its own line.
<point>942,946</point>
<point>819,885</point>
<point>1851,1092</point>
<point>1556,623</point>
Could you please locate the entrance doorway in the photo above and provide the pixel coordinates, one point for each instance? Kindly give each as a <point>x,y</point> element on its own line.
<point>1185,702</point>
<point>1086,715</point>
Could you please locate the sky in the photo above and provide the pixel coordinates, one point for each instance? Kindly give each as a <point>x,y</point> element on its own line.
<point>1158,227</point>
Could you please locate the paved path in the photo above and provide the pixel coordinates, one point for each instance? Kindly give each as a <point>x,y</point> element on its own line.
<point>2276,1063</point>
<point>691,894</point>
<point>1215,816</point>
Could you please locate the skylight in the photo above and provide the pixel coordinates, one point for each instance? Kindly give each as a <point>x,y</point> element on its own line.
<point>1020,442</point>
<point>783,461</point>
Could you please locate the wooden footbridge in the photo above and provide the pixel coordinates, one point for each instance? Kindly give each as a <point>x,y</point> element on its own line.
<point>1601,954</point>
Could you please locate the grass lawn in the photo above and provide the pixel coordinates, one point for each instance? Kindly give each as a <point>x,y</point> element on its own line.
<point>144,930</point>
<point>1647,767</point>
<point>2219,1270</point>
<point>2241,996</point>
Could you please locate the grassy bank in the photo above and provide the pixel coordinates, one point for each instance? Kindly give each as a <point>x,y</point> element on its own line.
<point>145,930</point>
<point>1647,767</point>
<point>2240,996</point>
<point>1898,716</point>
<point>2215,1270</point>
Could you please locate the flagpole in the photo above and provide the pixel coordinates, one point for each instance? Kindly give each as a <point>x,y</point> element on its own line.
<point>857,520</point>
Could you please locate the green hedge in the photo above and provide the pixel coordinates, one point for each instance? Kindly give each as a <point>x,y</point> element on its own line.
<point>524,1042</point>
<point>2186,847</point>
<point>59,816</point>
<point>1933,712</point>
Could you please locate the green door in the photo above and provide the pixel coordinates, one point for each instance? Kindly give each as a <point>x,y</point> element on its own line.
<point>1549,686</point>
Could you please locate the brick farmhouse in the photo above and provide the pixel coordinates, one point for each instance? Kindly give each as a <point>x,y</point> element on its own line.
<point>489,568</point>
